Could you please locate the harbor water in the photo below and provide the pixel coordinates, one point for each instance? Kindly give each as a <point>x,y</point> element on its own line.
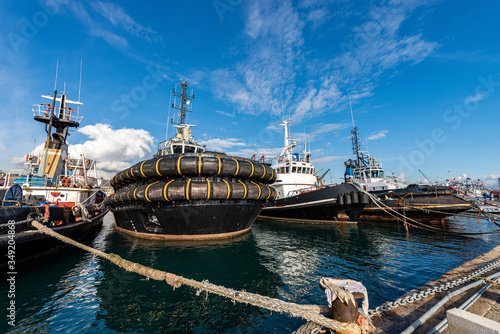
<point>72,291</point>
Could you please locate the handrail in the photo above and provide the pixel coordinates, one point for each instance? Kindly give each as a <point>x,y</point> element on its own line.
<point>69,114</point>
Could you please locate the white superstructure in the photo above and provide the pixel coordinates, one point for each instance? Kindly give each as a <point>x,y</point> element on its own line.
<point>294,172</point>
<point>366,171</point>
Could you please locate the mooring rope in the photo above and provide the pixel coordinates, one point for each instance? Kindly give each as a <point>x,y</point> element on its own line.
<point>414,222</point>
<point>482,214</point>
<point>308,312</point>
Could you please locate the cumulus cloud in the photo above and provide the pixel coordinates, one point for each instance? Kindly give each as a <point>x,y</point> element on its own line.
<point>492,177</point>
<point>378,135</point>
<point>113,150</point>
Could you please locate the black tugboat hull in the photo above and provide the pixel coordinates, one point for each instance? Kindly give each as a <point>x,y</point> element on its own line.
<point>29,243</point>
<point>424,204</point>
<point>324,205</point>
<point>211,219</point>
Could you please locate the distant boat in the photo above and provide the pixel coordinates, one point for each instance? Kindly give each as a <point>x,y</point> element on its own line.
<point>186,192</point>
<point>301,196</point>
<point>423,203</point>
<point>56,189</point>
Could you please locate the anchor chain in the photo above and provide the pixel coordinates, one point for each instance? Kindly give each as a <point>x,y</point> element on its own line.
<point>431,291</point>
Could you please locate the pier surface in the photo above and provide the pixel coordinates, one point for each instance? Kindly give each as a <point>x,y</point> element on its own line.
<point>399,318</point>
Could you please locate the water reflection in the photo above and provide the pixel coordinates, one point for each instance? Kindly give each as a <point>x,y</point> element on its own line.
<point>131,303</point>
<point>73,291</point>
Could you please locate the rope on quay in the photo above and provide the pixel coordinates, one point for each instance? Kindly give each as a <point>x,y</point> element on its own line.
<point>308,312</point>
<point>414,223</point>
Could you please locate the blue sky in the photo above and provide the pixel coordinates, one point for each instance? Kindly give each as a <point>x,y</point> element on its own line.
<point>423,77</point>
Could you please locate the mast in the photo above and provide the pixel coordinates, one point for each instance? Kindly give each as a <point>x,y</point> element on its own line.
<point>185,101</point>
<point>49,130</point>
<point>57,124</point>
<point>183,129</point>
<point>355,144</point>
<point>354,135</point>
<point>287,148</point>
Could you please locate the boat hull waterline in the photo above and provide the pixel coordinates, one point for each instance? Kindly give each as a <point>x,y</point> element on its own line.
<point>331,204</point>
<point>30,243</point>
<point>421,204</point>
<point>190,196</point>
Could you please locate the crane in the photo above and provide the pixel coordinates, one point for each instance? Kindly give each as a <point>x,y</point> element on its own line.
<point>425,176</point>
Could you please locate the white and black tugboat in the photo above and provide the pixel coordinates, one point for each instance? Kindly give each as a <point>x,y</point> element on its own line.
<point>423,203</point>
<point>57,190</point>
<point>301,195</point>
<point>186,192</point>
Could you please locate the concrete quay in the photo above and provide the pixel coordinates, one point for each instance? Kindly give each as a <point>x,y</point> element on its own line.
<point>488,305</point>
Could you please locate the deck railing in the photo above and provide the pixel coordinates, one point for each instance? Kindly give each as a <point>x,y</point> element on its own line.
<point>69,114</point>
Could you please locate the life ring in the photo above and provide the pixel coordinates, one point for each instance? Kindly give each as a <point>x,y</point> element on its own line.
<point>87,163</point>
<point>280,159</point>
<point>27,157</point>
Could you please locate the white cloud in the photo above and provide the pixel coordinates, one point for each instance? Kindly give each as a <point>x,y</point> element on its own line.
<point>226,113</point>
<point>219,144</point>
<point>120,19</point>
<point>115,19</point>
<point>378,135</point>
<point>266,80</point>
<point>476,98</point>
<point>329,128</point>
<point>492,177</point>
<point>328,159</point>
<point>401,178</point>
<point>113,150</point>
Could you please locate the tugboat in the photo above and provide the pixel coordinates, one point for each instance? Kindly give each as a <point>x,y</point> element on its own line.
<point>302,197</point>
<point>186,192</point>
<point>57,190</point>
<point>419,202</point>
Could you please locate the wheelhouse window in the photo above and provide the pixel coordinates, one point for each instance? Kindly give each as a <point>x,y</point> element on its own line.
<point>287,170</point>
<point>294,169</point>
<point>189,149</point>
<point>177,148</point>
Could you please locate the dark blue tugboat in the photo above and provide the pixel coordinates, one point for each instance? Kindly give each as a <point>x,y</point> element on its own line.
<point>301,195</point>
<point>425,203</point>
